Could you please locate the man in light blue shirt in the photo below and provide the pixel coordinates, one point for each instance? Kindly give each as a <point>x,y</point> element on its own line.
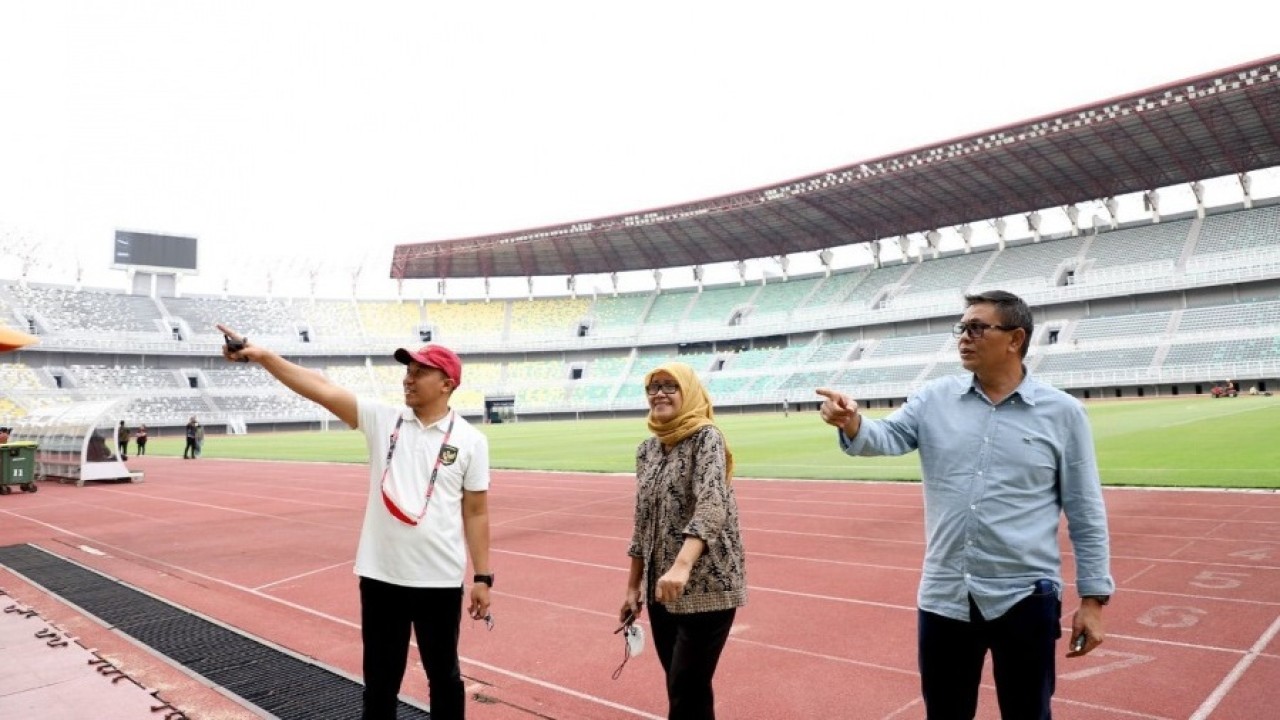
<point>1003,455</point>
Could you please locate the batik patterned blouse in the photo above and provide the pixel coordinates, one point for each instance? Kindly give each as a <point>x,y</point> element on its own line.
<point>680,493</point>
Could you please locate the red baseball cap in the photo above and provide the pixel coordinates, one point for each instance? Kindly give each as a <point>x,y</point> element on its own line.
<point>436,356</point>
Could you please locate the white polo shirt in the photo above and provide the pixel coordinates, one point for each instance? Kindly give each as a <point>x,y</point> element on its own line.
<point>432,553</point>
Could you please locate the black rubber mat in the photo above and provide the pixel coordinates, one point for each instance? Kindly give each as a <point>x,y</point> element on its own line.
<point>276,682</point>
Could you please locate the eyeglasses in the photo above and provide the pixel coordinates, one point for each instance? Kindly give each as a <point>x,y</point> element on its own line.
<point>976,329</point>
<point>664,388</point>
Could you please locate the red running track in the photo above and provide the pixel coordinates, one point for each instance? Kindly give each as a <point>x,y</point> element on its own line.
<point>829,629</point>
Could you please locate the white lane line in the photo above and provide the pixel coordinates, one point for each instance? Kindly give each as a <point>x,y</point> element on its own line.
<point>1128,582</point>
<point>327,568</point>
<point>903,709</point>
<point>342,621</point>
<point>1215,698</point>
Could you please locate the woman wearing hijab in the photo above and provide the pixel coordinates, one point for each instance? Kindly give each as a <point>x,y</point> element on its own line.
<point>686,553</point>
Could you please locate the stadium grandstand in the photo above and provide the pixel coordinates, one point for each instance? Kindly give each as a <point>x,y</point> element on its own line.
<point>1154,303</point>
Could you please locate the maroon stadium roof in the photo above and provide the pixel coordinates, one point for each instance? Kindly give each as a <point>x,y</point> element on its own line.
<point>1216,124</point>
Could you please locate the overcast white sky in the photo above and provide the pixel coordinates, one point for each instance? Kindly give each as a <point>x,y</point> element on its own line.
<point>288,135</point>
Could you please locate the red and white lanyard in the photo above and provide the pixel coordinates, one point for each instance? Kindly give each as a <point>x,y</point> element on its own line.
<point>392,507</point>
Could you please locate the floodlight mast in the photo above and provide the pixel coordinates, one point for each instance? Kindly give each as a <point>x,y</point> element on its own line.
<point>966,236</point>
<point>1151,199</point>
<point>1113,209</point>
<point>904,246</point>
<point>825,258</point>
<point>1033,225</point>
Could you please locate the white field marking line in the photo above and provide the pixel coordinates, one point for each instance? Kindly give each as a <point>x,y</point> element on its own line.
<point>1066,553</point>
<point>827,561</point>
<point>1197,538</point>
<point>118,511</point>
<point>1215,698</point>
<point>1066,632</point>
<point>752,513</point>
<point>1174,489</point>
<point>846,563</point>
<point>557,511</point>
<point>237,511</point>
<point>548,558</point>
<point>842,518</point>
<point>1212,415</point>
<point>824,656</point>
<point>222,490</point>
<point>611,488</point>
<point>903,709</point>
<point>562,689</point>
<point>841,488</point>
<point>1216,528</point>
<point>1057,698</point>
<point>732,637</point>
<point>1171,643</point>
<point>745,529</point>
<point>341,621</point>
<point>1127,581</point>
<point>1180,519</point>
<point>1107,708</point>
<point>753,588</point>
<point>317,571</point>
<point>833,536</point>
<point>1215,598</point>
<point>1185,546</point>
<point>291,501</point>
<point>1179,561</point>
<point>831,598</point>
<point>833,503</point>
<point>591,536</point>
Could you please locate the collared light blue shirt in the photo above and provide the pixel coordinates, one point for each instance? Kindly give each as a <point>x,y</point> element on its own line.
<point>997,478</point>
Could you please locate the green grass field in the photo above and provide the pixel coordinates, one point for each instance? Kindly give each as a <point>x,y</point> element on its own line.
<point>1189,442</point>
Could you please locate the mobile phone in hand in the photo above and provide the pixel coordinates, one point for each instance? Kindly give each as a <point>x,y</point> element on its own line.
<point>627,621</point>
<point>1078,643</point>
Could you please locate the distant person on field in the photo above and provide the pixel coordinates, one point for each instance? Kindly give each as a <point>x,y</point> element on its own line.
<point>141,439</point>
<point>1003,456</point>
<point>190,451</point>
<point>687,561</point>
<point>199,438</point>
<point>122,441</point>
<point>427,507</point>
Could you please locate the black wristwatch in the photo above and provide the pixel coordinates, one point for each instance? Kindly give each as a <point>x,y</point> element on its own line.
<point>1102,599</point>
<point>486,579</point>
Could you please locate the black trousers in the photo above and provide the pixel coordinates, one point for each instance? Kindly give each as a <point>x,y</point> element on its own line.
<point>1022,644</point>
<point>387,613</point>
<point>123,447</point>
<point>142,446</point>
<point>190,449</point>
<point>689,646</point>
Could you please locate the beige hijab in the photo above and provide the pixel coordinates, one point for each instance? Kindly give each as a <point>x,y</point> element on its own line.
<point>695,411</point>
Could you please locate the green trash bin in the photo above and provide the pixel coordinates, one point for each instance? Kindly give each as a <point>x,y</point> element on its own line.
<point>18,467</point>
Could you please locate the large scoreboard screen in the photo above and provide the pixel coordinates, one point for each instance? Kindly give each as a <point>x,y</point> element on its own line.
<point>171,252</point>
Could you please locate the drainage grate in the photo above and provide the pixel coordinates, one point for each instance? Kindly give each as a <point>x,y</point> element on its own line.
<point>276,682</point>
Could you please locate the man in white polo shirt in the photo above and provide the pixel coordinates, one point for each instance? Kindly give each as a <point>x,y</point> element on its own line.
<point>427,507</point>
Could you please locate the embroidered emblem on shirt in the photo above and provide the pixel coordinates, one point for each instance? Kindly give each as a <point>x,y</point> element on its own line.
<point>448,454</point>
